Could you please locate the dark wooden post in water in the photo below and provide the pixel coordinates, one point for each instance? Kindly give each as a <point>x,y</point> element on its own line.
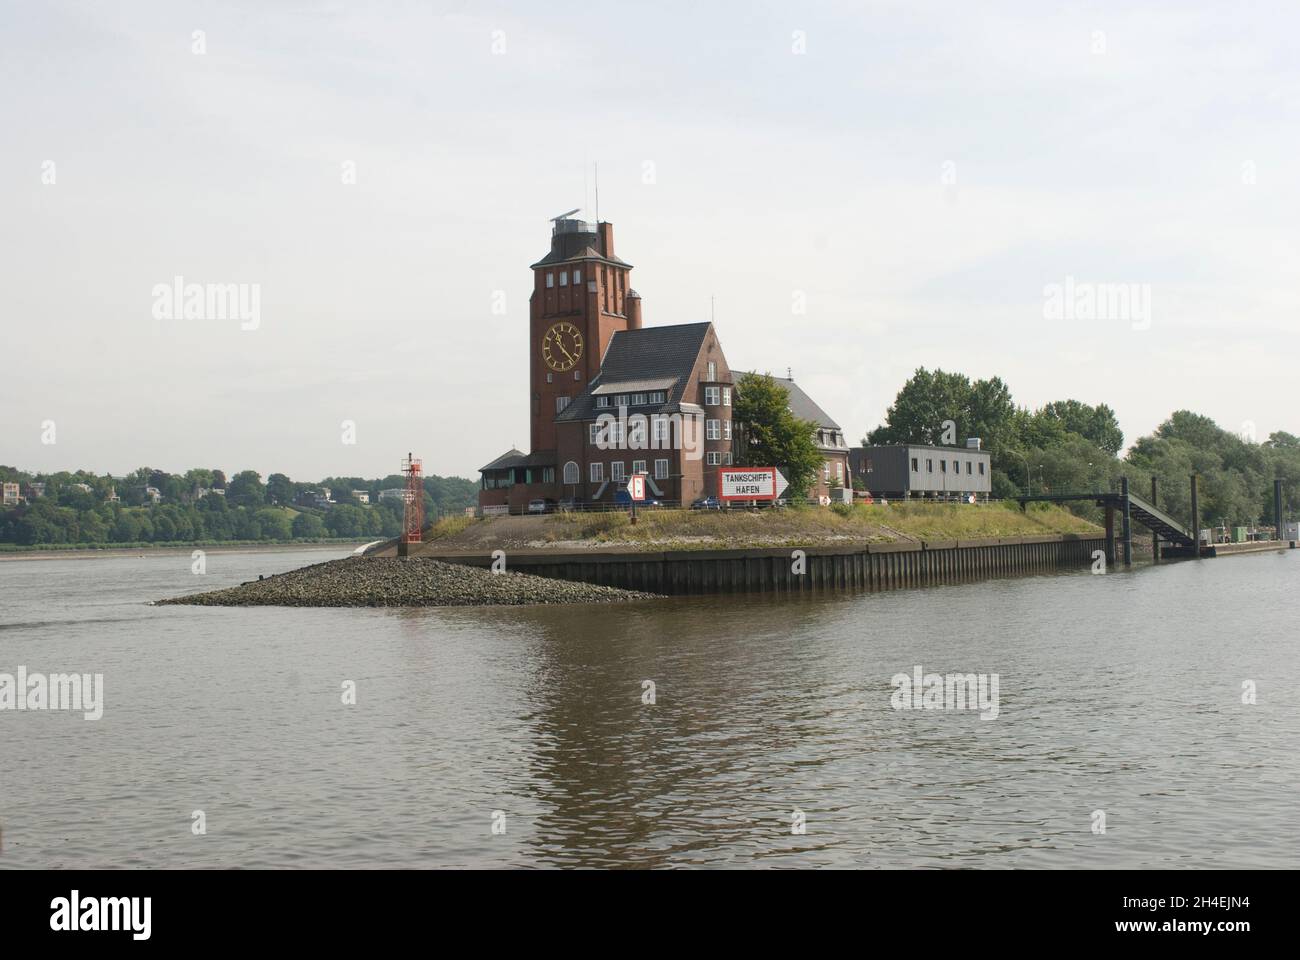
<point>1196,522</point>
<point>1110,532</point>
<point>1128,523</point>
<point>1277,509</point>
<point>1155,537</point>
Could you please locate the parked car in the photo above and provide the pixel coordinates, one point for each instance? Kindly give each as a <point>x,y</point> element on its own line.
<point>707,503</point>
<point>624,499</point>
<point>540,506</point>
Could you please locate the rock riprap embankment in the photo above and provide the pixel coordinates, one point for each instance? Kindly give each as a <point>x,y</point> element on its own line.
<point>414,582</point>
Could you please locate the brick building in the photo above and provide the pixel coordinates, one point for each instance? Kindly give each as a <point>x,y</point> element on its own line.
<point>609,397</point>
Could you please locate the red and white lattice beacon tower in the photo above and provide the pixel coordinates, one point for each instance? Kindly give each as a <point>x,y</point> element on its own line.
<point>413,527</point>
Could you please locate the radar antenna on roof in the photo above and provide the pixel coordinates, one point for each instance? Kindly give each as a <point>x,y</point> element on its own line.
<point>565,215</point>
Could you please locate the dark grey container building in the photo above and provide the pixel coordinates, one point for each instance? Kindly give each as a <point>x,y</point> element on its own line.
<point>918,470</point>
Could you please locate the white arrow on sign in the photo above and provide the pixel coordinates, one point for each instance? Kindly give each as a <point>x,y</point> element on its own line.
<point>781,483</point>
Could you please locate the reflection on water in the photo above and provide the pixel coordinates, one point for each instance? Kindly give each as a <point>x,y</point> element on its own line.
<point>1119,693</point>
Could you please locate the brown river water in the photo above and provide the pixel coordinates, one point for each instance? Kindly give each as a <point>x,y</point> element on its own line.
<point>520,736</point>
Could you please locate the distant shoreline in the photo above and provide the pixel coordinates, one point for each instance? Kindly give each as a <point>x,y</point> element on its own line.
<point>84,553</point>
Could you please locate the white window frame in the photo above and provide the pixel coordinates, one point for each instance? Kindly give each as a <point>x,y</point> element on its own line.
<point>602,401</point>
<point>712,429</point>
<point>713,370</point>
<point>621,400</point>
<point>839,470</point>
<point>574,475</point>
<point>638,466</point>
<point>638,399</point>
<point>550,281</point>
<point>577,277</point>
<point>826,471</point>
<point>616,472</point>
<point>594,433</point>
<point>713,458</point>
<point>661,469</point>
<point>726,429</point>
<point>658,396</point>
<point>596,471</point>
<point>561,403</point>
<point>726,396</point>
<point>660,432</point>
<point>726,458</point>
<point>712,396</point>
<point>564,278</point>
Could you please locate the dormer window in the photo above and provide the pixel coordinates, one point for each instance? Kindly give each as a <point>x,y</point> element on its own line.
<point>602,401</point>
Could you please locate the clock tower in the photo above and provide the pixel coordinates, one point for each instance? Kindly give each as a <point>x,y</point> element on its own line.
<point>581,296</point>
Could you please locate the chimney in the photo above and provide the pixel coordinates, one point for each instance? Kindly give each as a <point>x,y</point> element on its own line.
<point>606,233</point>
<point>633,307</point>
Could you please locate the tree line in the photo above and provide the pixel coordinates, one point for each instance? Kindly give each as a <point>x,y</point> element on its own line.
<point>1068,446</point>
<point>203,505</point>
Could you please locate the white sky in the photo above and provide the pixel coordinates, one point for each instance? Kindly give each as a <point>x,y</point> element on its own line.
<point>774,173</point>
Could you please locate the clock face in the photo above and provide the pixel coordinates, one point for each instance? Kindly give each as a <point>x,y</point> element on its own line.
<point>562,346</point>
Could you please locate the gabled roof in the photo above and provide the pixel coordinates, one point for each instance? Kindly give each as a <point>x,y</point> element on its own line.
<point>642,356</point>
<point>802,405</point>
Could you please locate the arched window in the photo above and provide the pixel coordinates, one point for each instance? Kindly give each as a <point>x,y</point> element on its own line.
<point>571,472</point>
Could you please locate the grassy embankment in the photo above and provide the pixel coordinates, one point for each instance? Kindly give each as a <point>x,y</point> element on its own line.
<point>794,526</point>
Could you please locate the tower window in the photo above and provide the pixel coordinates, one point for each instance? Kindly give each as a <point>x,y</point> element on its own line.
<point>577,277</point>
<point>561,403</point>
<point>564,278</point>
<point>550,280</point>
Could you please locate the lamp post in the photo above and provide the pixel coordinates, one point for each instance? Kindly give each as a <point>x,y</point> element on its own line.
<point>1029,480</point>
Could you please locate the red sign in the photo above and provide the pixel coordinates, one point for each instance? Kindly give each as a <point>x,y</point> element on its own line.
<point>636,486</point>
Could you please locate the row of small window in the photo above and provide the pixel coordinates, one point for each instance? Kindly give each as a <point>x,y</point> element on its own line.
<point>715,458</point>
<point>504,479</point>
<point>617,472</point>
<point>633,399</point>
<point>943,466</point>
<point>564,278</point>
<point>550,377</point>
<point>830,438</point>
<point>717,396</point>
<point>613,433</point>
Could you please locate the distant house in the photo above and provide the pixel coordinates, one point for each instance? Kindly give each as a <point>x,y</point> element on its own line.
<point>321,502</point>
<point>11,495</point>
<point>112,496</point>
<point>153,494</point>
<point>393,493</point>
<point>361,496</point>
<point>35,490</point>
<point>83,487</point>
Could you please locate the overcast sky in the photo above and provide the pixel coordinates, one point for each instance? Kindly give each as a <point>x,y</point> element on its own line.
<point>917,174</point>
